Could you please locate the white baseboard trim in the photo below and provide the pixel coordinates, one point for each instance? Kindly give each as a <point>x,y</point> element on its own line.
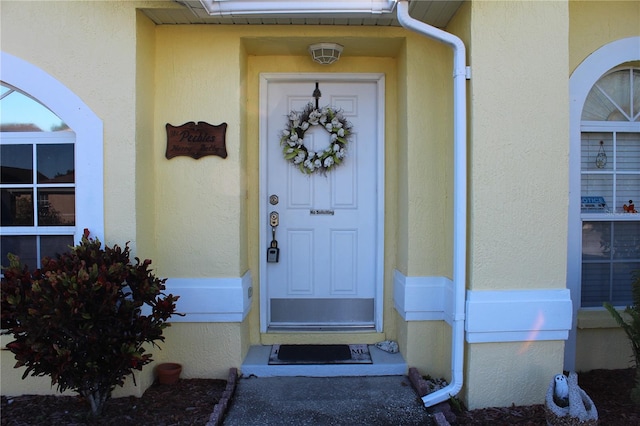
<point>211,299</point>
<point>491,316</point>
<point>518,315</point>
<point>423,298</point>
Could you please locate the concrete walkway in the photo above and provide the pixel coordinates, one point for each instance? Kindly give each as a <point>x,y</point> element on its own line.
<point>377,400</point>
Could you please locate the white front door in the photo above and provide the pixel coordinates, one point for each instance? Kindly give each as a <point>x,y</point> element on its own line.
<point>329,272</point>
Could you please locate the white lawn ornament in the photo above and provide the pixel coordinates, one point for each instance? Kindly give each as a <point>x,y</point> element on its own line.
<point>561,390</point>
<point>566,404</point>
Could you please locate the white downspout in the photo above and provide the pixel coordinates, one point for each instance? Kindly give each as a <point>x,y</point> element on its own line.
<point>459,196</point>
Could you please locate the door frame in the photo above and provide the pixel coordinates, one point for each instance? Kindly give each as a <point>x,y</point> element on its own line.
<point>379,79</point>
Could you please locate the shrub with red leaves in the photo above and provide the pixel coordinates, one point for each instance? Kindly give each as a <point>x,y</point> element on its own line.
<point>83,317</point>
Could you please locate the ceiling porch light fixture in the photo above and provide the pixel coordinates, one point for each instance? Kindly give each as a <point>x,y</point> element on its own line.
<point>294,7</point>
<point>325,53</point>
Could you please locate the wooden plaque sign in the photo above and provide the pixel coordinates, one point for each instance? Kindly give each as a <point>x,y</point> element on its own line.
<point>196,140</point>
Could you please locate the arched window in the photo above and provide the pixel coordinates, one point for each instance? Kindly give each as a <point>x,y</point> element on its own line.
<point>51,164</point>
<point>610,188</point>
<point>37,179</point>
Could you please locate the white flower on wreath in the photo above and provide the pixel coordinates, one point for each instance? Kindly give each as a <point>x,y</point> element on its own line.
<point>292,139</point>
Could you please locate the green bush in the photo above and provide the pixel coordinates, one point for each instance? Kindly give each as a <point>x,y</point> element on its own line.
<point>81,318</point>
<point>631,328</point>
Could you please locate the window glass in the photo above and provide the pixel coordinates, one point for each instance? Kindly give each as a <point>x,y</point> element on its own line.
<point>610,253</point>
<point>593,292</point>
<point>610,168</point>
<point>592,145</point>
<point>615,97</point>
<point>627,190</point>
<point>26,247</point>
<point>626,243</point>
<point>621,282</point>
<point>16,163</point>
<point>599,186</point>
<point>21,113</point>
<point>56,207</point>
<point>17,207</point>
<point>628,152</point>
<point>23,246</point>
<point>50,245</point>
<point>55,163</point>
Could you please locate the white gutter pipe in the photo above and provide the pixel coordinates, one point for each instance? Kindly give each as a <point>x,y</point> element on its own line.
<point>459,196</point>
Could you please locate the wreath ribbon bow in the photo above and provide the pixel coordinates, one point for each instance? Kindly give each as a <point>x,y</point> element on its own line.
<point>292,140</point>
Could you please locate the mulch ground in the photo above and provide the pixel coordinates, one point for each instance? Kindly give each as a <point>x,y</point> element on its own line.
<point>188,402</point>
<point>191,402</point>
<point>608,389</point>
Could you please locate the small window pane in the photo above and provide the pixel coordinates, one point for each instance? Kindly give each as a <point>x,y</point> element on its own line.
<point>51,245</point>
<point>55,163</point>
<point>17,163</point>
<point>598,185</point>
<point>591,148</point>
<point>597,107</point>
<point>56,207</point>
<point>611,98</point>
<point>628,157</point>
<point>617,86</point>
<point>23,246</point>
<point>596,241</point>
<point>595,283</point>
<point>17,207</point>
<point>626,243</point>
<point>622,277</point>
<point>628,189</point>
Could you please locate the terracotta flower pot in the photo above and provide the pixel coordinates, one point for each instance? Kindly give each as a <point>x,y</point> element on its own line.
<point>168,373</point>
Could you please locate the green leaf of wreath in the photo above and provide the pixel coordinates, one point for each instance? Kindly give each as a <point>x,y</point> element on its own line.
<point>299,122</point>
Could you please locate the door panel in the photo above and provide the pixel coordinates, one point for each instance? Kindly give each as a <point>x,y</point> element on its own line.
<point>326,276</point>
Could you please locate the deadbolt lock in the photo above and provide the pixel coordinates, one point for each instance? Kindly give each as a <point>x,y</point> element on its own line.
<point>274,219</point>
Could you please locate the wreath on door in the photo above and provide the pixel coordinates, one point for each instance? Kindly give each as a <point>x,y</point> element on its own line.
<point>306,160</point>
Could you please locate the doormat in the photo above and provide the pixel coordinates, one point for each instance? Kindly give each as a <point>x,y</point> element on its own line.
<point>319,354</point>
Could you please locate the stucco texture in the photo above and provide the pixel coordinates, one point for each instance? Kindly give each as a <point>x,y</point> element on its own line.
<point>520,143</point>
<point>502,374</point>
<point>596,23</point>
<point>518,164</point>
<point>199,218</point>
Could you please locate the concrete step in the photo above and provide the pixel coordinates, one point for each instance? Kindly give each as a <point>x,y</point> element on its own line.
<point>256,364</point>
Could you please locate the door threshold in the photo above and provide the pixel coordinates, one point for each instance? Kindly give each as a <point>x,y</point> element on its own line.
<point>256,363</point>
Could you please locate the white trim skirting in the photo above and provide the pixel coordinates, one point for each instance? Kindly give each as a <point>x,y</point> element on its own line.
<point>211,299</point>
<point>423,298</point>
<point>491,316</point>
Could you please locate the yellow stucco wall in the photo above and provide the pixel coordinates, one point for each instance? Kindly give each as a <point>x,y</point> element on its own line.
<point>518,174</point>
<point>596,23</point>
<point>520,143</point>
<point>502,374</point>
<point>198,209</point>
<point>601,343</point>
<point>145,160</point>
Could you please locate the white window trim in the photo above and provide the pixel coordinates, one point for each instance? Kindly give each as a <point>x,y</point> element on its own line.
<point>580,83</point>
<point>89,137</point>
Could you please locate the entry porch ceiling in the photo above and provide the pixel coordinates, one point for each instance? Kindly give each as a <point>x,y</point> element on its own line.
<point>300,12</point>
